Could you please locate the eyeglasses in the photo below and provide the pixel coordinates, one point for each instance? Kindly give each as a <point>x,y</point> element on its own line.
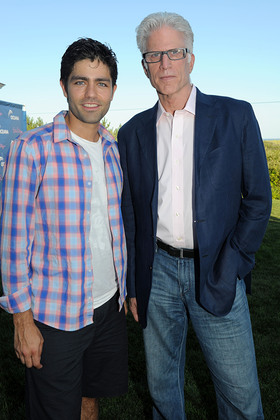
<point>174,54</point>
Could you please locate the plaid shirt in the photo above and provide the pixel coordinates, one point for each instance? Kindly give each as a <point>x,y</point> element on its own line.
<point>46,261</point>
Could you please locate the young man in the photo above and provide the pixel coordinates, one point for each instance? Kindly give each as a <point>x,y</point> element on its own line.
<point>196,203</point>
<point>63,252</point>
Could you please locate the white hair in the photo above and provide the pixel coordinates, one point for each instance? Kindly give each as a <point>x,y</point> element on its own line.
<point>156,21</point>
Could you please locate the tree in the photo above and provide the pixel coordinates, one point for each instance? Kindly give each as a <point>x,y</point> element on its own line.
<point>107,125</point>
<point>31,123</point>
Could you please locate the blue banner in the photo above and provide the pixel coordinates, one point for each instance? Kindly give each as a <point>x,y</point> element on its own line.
<point>12,124</point>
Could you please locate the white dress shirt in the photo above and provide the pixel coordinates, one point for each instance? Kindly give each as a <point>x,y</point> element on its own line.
<point>175,138</point>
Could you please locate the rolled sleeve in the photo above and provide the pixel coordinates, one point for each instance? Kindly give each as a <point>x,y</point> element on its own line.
<point>17,228</point>
<point>19,301</point>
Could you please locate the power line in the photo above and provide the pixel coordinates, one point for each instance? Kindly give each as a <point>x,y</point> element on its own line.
<point>268,102</point>
<point>140,109</point>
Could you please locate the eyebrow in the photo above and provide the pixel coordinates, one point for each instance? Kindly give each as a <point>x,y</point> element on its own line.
<point>99,79</point>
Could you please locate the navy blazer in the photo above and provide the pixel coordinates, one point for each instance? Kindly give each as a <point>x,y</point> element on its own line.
<point>232,199</point>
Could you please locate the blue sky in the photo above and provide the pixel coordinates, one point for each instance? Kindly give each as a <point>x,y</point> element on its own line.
<point>236,48</point>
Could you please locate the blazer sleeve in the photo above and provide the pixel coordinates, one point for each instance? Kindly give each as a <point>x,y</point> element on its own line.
<point>256,199</point>
<point>128,214</point>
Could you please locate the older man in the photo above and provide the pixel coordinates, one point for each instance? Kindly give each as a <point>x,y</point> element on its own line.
<point>196,203</point>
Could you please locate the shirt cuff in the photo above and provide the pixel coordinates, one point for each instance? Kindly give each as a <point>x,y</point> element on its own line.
<point>19,301</point>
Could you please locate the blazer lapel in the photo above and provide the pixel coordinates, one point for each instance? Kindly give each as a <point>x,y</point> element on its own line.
<point>146,134</point>
<point>205,122</point>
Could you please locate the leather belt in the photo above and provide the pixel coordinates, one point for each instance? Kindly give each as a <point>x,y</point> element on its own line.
<point>176,252</point>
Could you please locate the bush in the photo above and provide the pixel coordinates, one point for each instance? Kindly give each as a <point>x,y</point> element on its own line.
<point>272,149</point>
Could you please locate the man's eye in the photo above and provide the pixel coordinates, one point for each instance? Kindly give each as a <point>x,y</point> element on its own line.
<point>174,52</point>
<point>79,82</point>
<point>155,55</point>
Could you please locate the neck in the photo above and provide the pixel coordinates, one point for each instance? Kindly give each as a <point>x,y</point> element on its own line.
<point>86,131</point>
<point>176,101</point>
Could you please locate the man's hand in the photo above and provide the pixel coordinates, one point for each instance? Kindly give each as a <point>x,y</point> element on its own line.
<point>125,307</point>
<point>133,308</point>
<point>28,341</point>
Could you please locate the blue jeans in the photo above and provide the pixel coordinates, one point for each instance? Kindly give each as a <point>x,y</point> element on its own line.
<point>226,342</point>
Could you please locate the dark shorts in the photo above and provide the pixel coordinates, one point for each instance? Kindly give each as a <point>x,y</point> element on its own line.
<point>91,362</point>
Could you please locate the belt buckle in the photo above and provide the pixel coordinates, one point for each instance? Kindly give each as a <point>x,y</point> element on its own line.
<point>181,253</point>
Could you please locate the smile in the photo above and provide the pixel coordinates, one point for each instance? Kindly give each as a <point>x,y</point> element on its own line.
<point>90,106</point>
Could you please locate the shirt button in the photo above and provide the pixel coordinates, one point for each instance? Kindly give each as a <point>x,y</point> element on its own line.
<point>177,213</point>
<point>177,187</point>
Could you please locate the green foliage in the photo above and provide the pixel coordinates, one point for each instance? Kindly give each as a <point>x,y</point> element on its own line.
<point>31,123</point>
<point>107,125</point>
<point>272,149</point>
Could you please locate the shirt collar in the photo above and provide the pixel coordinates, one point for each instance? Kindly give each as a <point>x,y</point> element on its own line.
<point>61,131</point>
<point>190,105</point>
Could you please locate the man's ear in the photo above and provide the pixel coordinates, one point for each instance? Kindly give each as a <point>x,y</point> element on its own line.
<point>63,89</point>
<point>146,68</point>
<point>113,91</point>
<point>192,60</point>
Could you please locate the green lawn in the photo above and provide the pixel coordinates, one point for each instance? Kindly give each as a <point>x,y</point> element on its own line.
<point>200,398</point>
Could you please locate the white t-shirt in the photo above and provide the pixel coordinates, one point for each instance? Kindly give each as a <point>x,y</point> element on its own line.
<point>104,282</point>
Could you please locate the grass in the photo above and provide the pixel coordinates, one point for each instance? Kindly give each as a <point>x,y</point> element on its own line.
<point>200,398</point>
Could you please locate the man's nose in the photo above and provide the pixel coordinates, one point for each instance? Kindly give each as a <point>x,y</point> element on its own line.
<point>91,90</point>
<point>165,60</point>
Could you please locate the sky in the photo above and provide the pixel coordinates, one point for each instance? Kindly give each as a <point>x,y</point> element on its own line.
<point>236,47</point>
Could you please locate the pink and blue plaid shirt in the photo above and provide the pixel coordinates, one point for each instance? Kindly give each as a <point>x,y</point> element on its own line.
<point>46,262</point>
